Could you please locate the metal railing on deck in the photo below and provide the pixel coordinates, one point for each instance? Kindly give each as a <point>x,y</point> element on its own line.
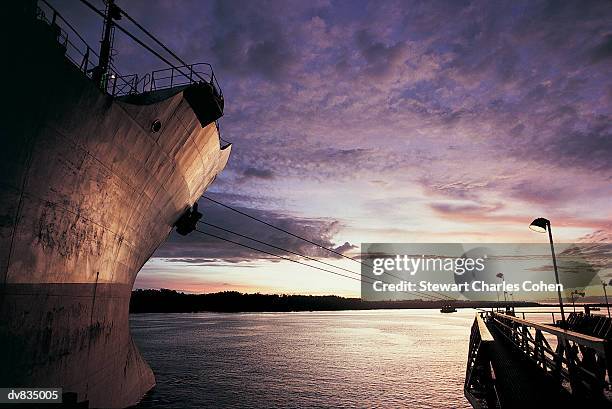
<point>86,59</point>
<point>580,363</point>
<point>184,75</point>
<point>81,54</point>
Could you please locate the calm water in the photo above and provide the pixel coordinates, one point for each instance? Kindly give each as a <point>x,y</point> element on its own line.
<point>392,358</point>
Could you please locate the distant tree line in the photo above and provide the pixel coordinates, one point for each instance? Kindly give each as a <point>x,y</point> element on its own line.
<point>232,301</point>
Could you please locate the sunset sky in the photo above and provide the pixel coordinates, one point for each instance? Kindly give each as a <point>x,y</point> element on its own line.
<point>355,121</point>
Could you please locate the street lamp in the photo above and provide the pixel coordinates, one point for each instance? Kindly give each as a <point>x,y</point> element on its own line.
<point>574,294</point>
<point>501,277</point>
<point>606,295</point>
<point>542,225</point>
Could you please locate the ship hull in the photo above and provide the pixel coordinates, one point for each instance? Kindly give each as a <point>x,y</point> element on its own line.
<point>89,190</point>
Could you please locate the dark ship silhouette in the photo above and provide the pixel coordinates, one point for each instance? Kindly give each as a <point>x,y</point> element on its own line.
<point>96,170</point>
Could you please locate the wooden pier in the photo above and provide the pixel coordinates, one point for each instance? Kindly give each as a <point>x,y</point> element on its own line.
<point>518,363</point>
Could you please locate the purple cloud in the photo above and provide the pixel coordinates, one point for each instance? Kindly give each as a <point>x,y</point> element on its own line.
<point>251,172</point>
<point>206,250</point>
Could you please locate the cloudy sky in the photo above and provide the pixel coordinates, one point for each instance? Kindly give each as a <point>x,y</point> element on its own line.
<point>356,121</point>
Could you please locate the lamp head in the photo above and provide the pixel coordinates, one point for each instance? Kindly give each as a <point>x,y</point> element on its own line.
<point>540,225</point>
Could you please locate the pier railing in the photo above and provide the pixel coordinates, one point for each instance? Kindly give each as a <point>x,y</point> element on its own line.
<point>579,363</point>
<point>479,387</point>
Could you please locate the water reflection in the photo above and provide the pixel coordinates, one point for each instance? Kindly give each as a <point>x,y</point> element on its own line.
<point>407,358</point>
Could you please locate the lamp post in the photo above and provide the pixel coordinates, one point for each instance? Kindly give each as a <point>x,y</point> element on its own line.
<point>542,225</point>
<point>606,295</point>
<point>574,294</point>
<point>501,277</point>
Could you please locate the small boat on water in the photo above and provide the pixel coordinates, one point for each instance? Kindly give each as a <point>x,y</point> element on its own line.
<point>446,309</point>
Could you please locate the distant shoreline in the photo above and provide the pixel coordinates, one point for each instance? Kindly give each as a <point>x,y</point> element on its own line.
<point>170,301</point>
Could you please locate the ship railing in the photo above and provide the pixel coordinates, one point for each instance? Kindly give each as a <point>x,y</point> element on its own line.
<point>184,75</point>
<point>579,363</point>
<point>78,51</point>
<point>80,54</point>
<point>118,85</point>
